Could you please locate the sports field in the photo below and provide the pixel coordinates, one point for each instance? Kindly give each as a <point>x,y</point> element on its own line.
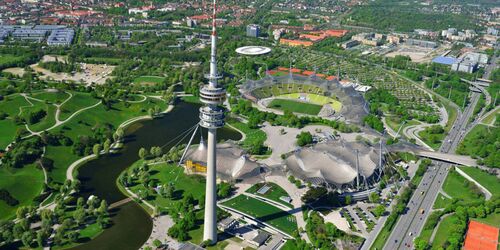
<point>314,99</point>
<point>274,193</point>
<point>295,106</point>
<point>264,212</point>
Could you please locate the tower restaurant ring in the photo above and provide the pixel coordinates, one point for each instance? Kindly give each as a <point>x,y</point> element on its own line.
<point>253,50</point>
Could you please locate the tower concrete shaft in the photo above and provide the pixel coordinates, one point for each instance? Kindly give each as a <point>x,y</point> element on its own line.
<point>212,118</point>
<point>210,223</point>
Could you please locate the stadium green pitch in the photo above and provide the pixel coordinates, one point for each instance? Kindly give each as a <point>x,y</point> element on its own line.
<point>264,212</point>
<point>295,106</point>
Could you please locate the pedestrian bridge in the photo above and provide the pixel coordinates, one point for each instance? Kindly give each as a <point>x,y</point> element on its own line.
<point>450,158</point>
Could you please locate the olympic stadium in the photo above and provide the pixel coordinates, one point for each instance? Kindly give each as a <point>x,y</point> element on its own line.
<point>308,95</point>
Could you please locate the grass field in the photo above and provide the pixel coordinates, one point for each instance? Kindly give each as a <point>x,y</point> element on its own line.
<point>62,159</point>
<point>77,102</point>
<point>253,136</point>
<point>488,181</point>
<point>264,212</point>
<point>492,219</point>
<point>460,188</point>
<point>184,184</point>
<point>490,119</point>
<point>433,140</point>
<point>148,80</point>
<point>452,114</point>
<point>52,97</point>
<point>445,227</point>
<point>295,106</point>
<point>48,121</point>
<point>10,105</point>
<point>8,59</point>
<point>273,194</point>
<point>441,202</point>
<point>23,184</point>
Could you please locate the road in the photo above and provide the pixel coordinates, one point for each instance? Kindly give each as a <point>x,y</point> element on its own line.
<point>411,223</point>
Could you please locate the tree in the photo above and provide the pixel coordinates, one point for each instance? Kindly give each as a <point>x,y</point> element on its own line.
<point>304,138</point>
<point>118,134</point>
<point>103,208</point>
<point>169,190</point>
<point>156,151</point>
<point>374,197</point>
<point>142,153</point>
<point>379,210</point>
<point>224,190</point>
<point>21,212</point>
<point>97,149</point>
<point>347,199</point>
<point>107,145</point>
<point>73,236</point>
<point>27,238</point>
<point>79,216</point>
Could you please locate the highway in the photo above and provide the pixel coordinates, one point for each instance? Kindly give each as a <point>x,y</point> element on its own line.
<point>411,223</point>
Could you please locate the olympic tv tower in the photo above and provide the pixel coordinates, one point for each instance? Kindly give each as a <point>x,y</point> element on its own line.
<point>212,118</point>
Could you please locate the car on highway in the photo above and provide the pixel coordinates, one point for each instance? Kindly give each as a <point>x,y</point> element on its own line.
<point>422,211</point>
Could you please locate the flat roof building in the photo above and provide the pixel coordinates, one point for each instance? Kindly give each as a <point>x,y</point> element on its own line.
<point>421,43</point>
<point>61,37</point>
<point>253,30</point>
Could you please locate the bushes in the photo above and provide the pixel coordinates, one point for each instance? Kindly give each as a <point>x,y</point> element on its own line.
<point>374,122</point>
<point>5,196</point>
<point>35,116</point>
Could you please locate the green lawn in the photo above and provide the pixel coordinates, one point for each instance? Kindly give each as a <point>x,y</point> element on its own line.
<point>490,118</point>
<point>8,59</point>
<point>433,140</point>
<point>48,121</point>
<point>191,99</point>
<point>452,114</point>
<point>62,159</point>
<point>7,132</point>
<point>254,136</point>
<point>264,212</point>
<point>481,142</point>
<point>149,80</point>
<point>441,202</point>
<point>492,219</point>
<point>294,106</point>
<point>444,229</point>
<point>12,103</point>
<point>52,97</point>
<point>184,184</point>
<point>460,188</point>
<point>273,194</point>
<point>77,102</point>
<point>488,181</point>
<point>23,184</point>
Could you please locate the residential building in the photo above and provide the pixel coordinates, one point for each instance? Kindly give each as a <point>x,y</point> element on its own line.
<point>350,44</point>
<point>253,30</point>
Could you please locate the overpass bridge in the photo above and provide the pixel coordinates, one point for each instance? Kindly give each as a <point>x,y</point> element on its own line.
<point>450,158</point>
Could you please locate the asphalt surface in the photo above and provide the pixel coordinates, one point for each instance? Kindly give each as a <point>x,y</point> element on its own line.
<point>410,224</point>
